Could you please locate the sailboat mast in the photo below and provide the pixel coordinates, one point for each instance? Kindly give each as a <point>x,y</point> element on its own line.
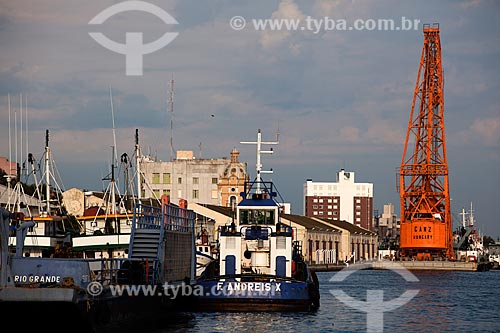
<point>47,173</point>
<point>113,198</point>
<point>138,163</point>
<point>10,149</point>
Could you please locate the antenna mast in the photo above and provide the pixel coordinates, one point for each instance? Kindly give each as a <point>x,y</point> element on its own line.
<point>172,119</point>
<point>258,165</point>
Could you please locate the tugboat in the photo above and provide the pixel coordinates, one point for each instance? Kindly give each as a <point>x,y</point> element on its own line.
<point>260,266</point>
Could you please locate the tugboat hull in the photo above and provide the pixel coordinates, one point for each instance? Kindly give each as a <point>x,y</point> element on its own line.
<point>250,296</point>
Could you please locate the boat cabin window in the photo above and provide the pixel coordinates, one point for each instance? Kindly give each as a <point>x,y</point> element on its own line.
<point>257,216</point>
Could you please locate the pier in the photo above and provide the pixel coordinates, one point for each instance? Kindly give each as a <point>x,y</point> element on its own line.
<point>410,265</point>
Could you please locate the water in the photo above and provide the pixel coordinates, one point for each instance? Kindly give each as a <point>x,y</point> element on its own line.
<point>446,302</point>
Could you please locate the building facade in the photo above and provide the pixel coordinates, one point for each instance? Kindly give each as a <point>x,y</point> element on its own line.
<point>387,227</point>
<point>211,181</point>
<point>10,168</point>
<point>343,200</point>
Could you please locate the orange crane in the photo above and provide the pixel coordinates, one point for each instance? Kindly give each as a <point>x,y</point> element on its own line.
<point>426,230</point>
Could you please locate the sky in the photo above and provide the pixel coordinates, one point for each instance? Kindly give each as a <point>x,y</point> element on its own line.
<point>338,98</point>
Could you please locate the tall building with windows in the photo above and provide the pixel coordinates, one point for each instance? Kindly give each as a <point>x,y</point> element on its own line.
<point>343,200</point>
<point>215,181</point>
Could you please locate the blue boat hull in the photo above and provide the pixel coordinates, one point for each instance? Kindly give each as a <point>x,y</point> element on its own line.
<point>250,295</point>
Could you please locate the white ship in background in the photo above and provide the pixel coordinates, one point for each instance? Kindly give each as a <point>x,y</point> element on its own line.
<point>467,240</point>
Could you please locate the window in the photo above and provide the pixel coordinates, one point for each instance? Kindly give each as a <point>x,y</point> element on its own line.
<point>329,200</point>
<point>215,194</point>
<point>315,213</point>
<point>315,206</point>
<point>358,213</point>
<point>257,216</point>
<point>156,193</point>
<point>335,213</point>
<point>329,213</point>
<point>166,192</point>
<point>335,201</point>
<point>321,213</point>
<point>214,180</point>
<point>166,178</point>
<point>320,200</point>
<point>179,180</point>
<point>195,180</point>
<point>358,219</point>
<point>196,194</point>
<point>156,178</point>
<point>315,200</point>
<point>335,207</point>
<point>329,206</point>
<point>358,200</point>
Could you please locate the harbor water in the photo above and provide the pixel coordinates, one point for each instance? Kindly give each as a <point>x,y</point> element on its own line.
<point>446,302</point>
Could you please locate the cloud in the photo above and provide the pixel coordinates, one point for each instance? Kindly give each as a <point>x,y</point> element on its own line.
<point>487,131</point>
<point>287,10</point>
<point>349,134</point>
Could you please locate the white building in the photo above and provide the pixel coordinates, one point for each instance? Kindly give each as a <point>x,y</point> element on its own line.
<point>214,181</point>
<point>343,200</point>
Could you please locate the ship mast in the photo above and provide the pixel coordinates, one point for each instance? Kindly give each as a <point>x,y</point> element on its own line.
<point>47,173</point>
<point>138,164</point>
<point>258,165</point>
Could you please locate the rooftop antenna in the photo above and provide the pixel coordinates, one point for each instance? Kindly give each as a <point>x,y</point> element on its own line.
<point>171,118</point>
<point>258,165</point>
<point>199,146</point>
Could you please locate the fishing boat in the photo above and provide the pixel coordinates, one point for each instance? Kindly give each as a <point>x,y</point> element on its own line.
<point>205,251</point>
<point>51,229</point>
<point>102,295</point>
<point>259,266</point>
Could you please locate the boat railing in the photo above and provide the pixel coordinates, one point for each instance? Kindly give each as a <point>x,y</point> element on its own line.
<point>168,217</point>
<point>147,217</point>
<point>178,218</point>
<point>256,232</point>
<point>133,271</point>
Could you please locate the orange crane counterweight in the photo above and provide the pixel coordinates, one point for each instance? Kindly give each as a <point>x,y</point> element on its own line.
<point>426,230</point>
